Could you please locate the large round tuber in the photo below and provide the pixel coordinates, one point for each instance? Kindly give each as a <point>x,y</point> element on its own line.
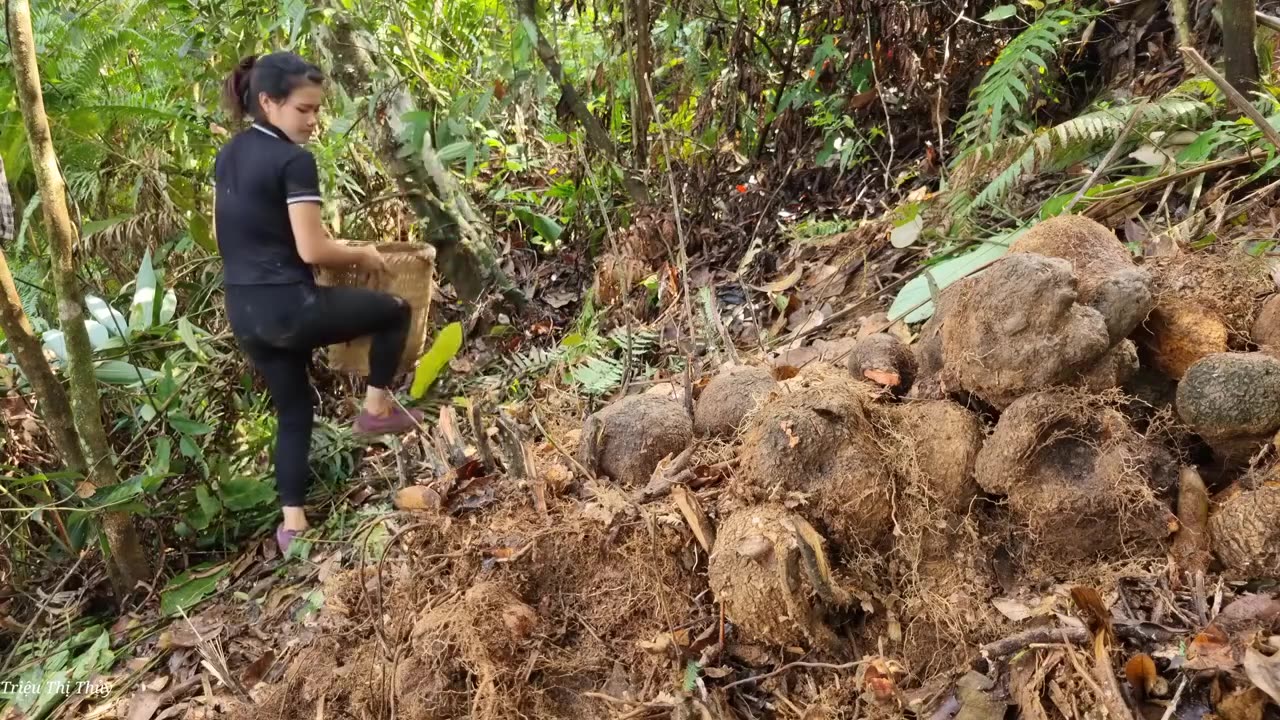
<point>727,399</point>
<point>1108,280</point>
<point>1077,476</point>
<point>763,571</point>
<point>1245,533</point>
<point>820,443</point>
<point>1018,328</point>
<point>1206,303</point>
<point>631,436</point>
<point>939,444</point>
<point>1232,400</point>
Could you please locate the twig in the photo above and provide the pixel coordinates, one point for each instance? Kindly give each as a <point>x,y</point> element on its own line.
<point>788,666</point>
<point>888,122</point>
<point>538,424</point>
<point>1093,684</point>
<point>1110,157</point>
<point>1267,21</point>
<point>677,210</point>
<point>1234,96</point>
<point>1173,704</point>
<point>1107,200</point>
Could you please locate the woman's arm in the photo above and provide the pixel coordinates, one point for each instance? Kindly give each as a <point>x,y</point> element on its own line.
<point>315,247</point>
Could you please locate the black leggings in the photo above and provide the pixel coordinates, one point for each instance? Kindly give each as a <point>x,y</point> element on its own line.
<point>278,327</point>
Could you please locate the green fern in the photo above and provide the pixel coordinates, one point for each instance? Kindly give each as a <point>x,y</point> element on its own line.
<point>598,376</point>
<point>1007,87</point>
<point>1064,145</point>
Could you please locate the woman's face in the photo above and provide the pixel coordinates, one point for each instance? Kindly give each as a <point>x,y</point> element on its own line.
<point>298,114</point>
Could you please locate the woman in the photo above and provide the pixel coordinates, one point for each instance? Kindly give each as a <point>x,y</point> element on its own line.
<point>269,230</point>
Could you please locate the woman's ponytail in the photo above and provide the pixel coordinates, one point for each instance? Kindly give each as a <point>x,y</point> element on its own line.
<point>235,89</point>
<point>277,74</point>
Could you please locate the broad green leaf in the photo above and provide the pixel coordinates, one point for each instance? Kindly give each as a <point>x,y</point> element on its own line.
<point>185,590</point>
<point>187,332</point>
<point>98,334</point>
<point>545,226</point>
<point>445,346</point>
<point>111,319</point>
<point>142,312</point>
<point>169,306</point>
<point>118,372</point>
<point>454,151</point>
<point>201,232</point>
<point>56,343</point>
<point>245,493</point>
<point>187,426</point>
<point>1003,12</point>
<point>908,224</point>
<point>913,303</point>
<point>96,226</point>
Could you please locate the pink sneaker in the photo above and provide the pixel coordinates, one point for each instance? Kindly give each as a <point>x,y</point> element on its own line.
<point>397,421</point>
<point>284,537</point>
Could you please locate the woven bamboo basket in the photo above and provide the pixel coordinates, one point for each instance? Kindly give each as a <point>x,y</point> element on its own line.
<point>411,277</point>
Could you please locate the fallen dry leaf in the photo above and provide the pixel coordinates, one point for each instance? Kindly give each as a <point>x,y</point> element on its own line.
<point>257,669</point>
<point>1210,650</point>
<point>1264,672</point>
<point>1017,611</point>
<point>144,704</point>
<point>1243,705</point>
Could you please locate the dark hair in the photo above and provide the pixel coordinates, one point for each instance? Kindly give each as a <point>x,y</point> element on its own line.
<point>277,75</point>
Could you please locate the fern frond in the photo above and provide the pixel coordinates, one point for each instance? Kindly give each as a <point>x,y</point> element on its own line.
<point>598,375</point>
<point>1072,142</point>
<point>1007,87</point>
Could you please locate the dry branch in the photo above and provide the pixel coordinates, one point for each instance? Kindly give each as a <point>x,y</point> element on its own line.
<point>1237,99</point>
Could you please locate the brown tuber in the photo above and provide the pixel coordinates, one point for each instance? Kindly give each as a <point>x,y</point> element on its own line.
<point>819,443</point>
<point>1018,328</point>
<point>729,397</point>
<point>631,436</point>
<point>1206,303</point>
<point>1266,327</point>
<point>940,442</point>
<point>884,360</point>
<point>1077,475</point>
<point>1232,400</point>
<point>1245,533</point>
<point>1109,282</point>
<point>763,558</point>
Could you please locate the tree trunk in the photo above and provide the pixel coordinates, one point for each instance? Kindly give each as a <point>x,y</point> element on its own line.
<point>1182,23</point>
<point>54,407</point>
<point>462,239</point>
<point>642,68</point>
<point>596,133</point>
<point>126,560</point>
<point>1239,32</point>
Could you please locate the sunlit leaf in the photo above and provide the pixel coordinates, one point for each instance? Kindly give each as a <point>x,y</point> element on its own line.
<point>443,349</point>
<point>142,312</point>
<point>186,590</point>
<point>1003,12</point>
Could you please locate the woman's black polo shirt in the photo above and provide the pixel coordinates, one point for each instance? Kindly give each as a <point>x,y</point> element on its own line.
<point>257,175</point>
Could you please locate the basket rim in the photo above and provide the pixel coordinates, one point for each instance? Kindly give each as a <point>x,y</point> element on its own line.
<point>395,247</point>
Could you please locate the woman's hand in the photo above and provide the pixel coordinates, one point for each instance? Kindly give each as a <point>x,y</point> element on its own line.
<point>368,258</point>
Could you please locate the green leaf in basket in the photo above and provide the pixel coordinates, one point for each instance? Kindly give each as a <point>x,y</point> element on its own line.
<point>446,345</point>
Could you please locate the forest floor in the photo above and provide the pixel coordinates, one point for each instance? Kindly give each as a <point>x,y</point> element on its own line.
<point>1055,495</point>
